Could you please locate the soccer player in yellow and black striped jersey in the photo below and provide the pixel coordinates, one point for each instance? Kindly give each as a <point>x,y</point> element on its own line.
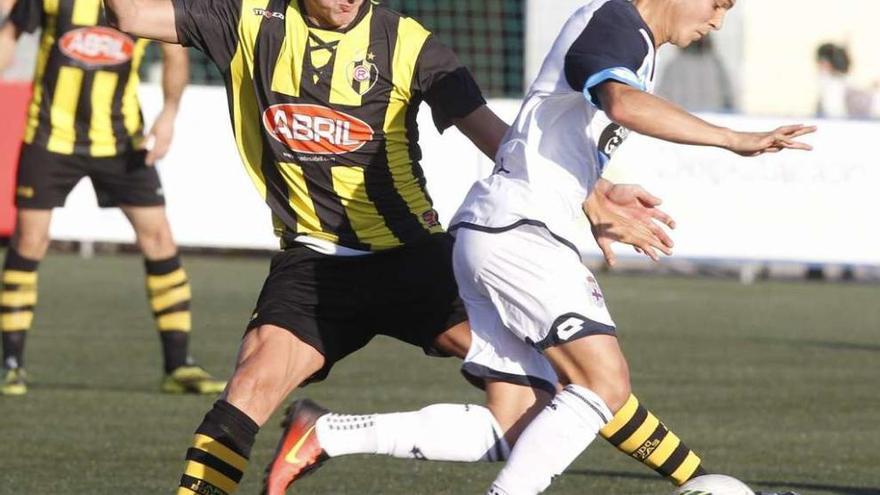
<point>85,120</point>
<point>323,97</point>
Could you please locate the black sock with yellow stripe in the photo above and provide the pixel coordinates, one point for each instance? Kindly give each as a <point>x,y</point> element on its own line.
<point>219,454</point>
<point>169,293</point>
<point>17,302</point>
<point>635,431</point>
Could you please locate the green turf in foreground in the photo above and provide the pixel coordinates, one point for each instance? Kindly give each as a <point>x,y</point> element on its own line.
<point>774,383</point>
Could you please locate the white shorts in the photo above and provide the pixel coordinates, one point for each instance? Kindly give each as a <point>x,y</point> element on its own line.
<point>524,291</point>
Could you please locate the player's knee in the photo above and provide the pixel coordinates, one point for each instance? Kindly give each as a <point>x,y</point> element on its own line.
<point>611,385</point>
<point>617,394</point>
<point>514,407</point>
<point>614,388</point>
<point>261,381</point>
<point>272,363</point>
<point>455,341</point>
<point>32,244</point>
<point>258,390</point>
<point>157,242</point>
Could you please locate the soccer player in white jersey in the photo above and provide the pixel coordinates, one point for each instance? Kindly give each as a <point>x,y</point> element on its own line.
<point>516,255</point>
<point>536,311</point>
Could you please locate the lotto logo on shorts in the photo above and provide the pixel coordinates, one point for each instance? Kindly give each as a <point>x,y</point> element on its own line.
<point>568,326</point>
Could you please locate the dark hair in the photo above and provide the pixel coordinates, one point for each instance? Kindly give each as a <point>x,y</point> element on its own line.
<point>835,55</point>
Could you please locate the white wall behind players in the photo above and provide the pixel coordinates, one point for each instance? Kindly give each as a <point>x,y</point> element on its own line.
<point>815,206</point>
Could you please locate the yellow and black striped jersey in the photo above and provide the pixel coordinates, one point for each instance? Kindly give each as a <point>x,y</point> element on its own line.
<point>85,82</point>
<point>325,121</point>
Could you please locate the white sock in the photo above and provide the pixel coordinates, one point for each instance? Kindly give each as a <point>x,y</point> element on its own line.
<point>441,432</point>
<point>552,441</point>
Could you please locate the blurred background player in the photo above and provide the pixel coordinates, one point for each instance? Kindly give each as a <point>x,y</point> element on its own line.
<point>85,120</point>
<point>838,96</point>
<point>697,79</point>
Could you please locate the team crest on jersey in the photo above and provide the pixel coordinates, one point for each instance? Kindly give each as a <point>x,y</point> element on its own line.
<point>97,46</point>
<point>431,218</point>
<point>315,129</point>
<point>363,74</point>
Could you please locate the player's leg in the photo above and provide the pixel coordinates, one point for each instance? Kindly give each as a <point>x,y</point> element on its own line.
<point>439,432</point>
<point>563,312</point>
<point>448,432</point>
<point>271,363</point>
<point>425,310</point>
<point>598,385</point>
<point>538,289</point>
<point>169,295</point>
<point>638,433</point>
<point>125,181</point>
<point>304,321</point>
<point>19,296</point>
<point>412,297</point>
<point>43,182</point>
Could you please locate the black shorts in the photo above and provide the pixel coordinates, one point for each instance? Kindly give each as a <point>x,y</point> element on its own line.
<point>46,178</point>
<point>337,304</point>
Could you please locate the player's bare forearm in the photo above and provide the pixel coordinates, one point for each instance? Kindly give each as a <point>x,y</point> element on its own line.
<point>647,114</point>
<point>484,129</point>
<point>175,75</point>
<point>652,116</point>
<point>151,19</point>
<point>8,37</point>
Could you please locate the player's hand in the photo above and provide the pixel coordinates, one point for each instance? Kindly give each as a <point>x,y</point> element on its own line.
<point>159,137</point>
<point>628,214</point>
<point>758,143</point>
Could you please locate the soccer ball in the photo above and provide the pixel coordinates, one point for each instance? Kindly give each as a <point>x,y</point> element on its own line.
<point>714,484</point>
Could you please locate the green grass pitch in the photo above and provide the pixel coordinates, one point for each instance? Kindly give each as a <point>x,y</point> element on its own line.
<point>776,383</point>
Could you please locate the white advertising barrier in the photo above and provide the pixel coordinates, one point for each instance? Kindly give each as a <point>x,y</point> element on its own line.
<point>793,206</point>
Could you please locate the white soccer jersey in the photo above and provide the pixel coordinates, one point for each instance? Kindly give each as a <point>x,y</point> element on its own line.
<point>556,150</point>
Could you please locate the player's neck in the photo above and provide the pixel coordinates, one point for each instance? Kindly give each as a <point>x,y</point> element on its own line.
<point>655,15</point>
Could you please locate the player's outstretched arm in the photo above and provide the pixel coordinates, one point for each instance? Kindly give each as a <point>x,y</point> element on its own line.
<point>484,129</point>
<point>628,214</point>
<point>152,19</point>
<point>175,76</point>
<point>653,116</point>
